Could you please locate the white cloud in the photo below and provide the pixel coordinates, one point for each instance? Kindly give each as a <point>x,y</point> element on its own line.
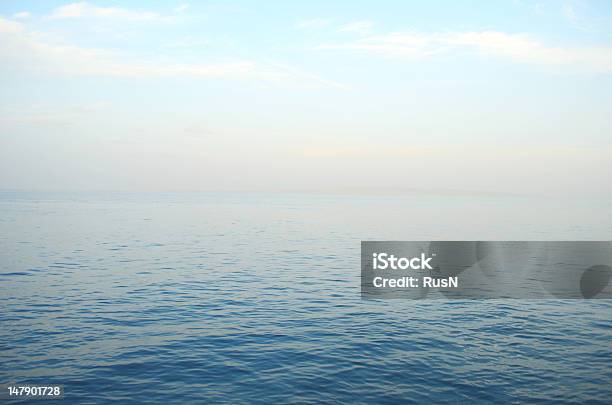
<point>26,51</point>
<point>569,13</point>
<point>359,27</point>
<point>395,44</point>
<point>313,23</point>
<point>63,116</point>
<point>524,48</point>
<point>21,15</point>
<point>181,8</point>
<point>575,12</point>
<point>10,27</point>
<point>87,10</point>
<point>515,47</point>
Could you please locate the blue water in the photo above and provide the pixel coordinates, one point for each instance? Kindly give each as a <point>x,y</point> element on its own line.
<point>254,298</point>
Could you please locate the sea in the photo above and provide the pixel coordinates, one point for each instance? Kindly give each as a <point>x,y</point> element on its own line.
<point>226,298</point>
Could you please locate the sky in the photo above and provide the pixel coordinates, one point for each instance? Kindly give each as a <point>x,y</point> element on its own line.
<point>511,97</point>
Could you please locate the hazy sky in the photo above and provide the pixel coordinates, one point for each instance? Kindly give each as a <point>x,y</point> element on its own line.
<point>485,96</point>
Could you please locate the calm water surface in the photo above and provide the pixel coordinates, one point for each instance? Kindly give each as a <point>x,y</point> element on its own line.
<point>226,298</point>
